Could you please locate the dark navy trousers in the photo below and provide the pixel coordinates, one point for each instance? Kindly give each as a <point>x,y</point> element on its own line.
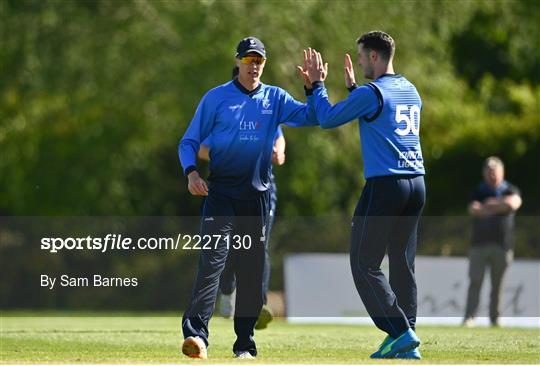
<point>386,220</point>
<point>235,219</point>
<point>227,282</point>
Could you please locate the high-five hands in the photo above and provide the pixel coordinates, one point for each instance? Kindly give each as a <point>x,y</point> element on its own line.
<point>303,71</point>
<point>349,72</point>
<point>315,68</point>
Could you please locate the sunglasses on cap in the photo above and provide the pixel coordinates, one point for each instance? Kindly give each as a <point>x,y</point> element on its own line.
<point>247,60</point>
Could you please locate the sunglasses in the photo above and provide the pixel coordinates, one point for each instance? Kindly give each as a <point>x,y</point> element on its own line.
<point>257,60</point>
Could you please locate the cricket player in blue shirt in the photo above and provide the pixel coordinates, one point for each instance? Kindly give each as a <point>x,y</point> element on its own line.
<point>242,116</point>
<point>387,215</point>
<point>227,282</point>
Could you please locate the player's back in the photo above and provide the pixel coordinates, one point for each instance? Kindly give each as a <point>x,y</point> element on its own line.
<point>390,139</point>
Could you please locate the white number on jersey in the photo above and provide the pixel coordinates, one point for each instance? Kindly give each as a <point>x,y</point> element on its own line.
<point>411,117</point>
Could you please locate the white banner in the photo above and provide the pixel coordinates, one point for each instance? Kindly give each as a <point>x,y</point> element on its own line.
<point>319,288</point>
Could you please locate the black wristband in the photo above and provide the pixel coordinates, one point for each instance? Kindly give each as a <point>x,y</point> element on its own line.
<point>189,169</point>
<point>308,91</point>
<point>352,87</point>
<point>317,84</point>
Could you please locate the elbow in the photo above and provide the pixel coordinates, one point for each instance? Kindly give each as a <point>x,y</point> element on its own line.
<point>182,144</point>
<point>517,204</point>
<point>513,204</point>
<point>179,149</point>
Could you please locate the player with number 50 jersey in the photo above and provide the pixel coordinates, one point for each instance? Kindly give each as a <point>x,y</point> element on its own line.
<point>389,112</point>
<point>386,217</point>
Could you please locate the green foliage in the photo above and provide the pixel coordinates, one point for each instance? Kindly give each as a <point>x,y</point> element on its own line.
<point>95,96</point>
<point>504,47</point>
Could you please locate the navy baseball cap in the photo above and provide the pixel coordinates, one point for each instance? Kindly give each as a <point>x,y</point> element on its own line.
<point>250,44</point>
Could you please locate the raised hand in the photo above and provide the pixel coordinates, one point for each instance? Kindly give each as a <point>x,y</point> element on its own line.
<point>316,68</point>
<point>349,72</point>
<point>303,71</point>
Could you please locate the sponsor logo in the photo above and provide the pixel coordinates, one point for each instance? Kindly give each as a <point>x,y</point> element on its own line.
<point>250,131</point>
<point>236,106</point>
<point>266,105</point>
<point>266,102</point>
<point>249,125</point>
<point>410,159</point>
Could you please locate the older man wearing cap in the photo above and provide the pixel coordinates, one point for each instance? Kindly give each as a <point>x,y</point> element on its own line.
<point>242,116</point>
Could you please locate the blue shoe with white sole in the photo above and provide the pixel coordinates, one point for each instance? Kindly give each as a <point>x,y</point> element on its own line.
<point>384,343</point>
<point>406,342</point>
<point>411,355</point>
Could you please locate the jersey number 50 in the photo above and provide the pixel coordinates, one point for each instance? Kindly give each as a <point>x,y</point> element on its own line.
<point>411,117</point>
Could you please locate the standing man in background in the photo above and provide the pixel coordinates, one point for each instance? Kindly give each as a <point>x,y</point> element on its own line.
<point>387,215</point>
<point>242,116</point>
<point>493,206</point>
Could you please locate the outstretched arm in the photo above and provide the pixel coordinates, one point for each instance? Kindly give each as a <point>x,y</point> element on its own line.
<point>361,102</point>
<point>294,113</point>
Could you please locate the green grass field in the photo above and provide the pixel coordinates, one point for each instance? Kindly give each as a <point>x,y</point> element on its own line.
<point>147,339</point>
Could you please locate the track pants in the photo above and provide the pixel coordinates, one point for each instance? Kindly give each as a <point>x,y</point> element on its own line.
<point>386,219</point>
<point>236,220</point>
<point>227,282</point>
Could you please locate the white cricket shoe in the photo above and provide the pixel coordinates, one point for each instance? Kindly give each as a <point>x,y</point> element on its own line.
<point>469,322</point>
<point>244,355</point>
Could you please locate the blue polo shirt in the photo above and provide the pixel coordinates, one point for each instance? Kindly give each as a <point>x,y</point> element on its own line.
<point>243,125</point>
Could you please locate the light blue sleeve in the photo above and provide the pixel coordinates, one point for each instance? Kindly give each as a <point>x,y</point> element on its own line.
<point>361,102</point>
<point>294,113</point>
<point>198,130</point>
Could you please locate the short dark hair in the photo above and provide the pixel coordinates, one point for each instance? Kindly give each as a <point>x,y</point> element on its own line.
<point>378,41</point>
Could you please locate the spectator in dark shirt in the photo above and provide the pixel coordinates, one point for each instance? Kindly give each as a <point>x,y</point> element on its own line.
<point>493,206</point>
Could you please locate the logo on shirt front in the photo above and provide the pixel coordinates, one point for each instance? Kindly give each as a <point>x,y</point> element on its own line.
<point>236,106</point>
<point>249,125</point>
<point>250,130</point>
<point>266,105</point>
